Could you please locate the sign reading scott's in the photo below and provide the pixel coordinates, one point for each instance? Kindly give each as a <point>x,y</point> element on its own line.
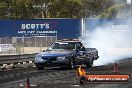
<point>63,28</point>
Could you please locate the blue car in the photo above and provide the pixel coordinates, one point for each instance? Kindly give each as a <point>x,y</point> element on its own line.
<point>66,53</point>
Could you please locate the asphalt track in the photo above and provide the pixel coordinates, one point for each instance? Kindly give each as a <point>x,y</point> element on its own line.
<point>60,77</point>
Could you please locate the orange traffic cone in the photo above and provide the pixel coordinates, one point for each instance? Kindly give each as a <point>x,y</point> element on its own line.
<point>28,83</point>
<point>116,68</point>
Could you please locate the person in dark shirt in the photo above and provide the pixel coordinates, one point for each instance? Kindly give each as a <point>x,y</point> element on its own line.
<point>82,47</point>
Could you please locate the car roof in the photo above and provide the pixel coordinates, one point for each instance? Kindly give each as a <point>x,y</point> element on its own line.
<point>68,41</point>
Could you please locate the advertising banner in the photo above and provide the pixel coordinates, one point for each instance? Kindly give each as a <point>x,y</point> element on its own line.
<point>63,28</point>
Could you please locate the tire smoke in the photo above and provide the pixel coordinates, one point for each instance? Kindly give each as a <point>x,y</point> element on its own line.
<point>112,39</point>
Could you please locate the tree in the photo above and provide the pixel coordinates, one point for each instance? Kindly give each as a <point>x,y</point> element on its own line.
<point>41,7</point>
<point>66,9</point>
<point>115,11</point>
<point>3,8</point>
<point>17,9</point>
<point>28,9</point>
<point>21,9</point>
<point>33,9</point>
<point>93,8</point>
<point>57,8</point>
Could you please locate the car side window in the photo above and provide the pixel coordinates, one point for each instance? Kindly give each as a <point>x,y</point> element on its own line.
<point>80,47</point>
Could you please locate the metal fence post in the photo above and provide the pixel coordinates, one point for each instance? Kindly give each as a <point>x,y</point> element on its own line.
<point>6,40</point>
<point>46,40</point>
<point>23,41</point>
<point>29,42</point>
<point>40,44</point>
<point>35,40</point>
<point>56,38</point>
<point>0,40</point>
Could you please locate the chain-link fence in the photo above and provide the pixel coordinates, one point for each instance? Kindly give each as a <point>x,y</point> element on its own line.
<point>33,44</point>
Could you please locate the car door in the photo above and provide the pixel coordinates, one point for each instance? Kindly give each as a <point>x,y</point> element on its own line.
<point>80,53</point>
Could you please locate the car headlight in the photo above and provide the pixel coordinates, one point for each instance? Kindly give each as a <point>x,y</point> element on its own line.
<point>61,58</point>
<point>38,58</point>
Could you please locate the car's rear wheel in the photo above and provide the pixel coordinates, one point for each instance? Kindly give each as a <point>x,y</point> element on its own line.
<point>89,64</point>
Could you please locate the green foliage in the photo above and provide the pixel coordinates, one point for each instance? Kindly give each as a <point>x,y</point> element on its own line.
<point>17,9</point>
<point>28,9</point>
<point>66,8</point>
<point>3,7</point>
<point>111,12</point>
<point>92,8</point>
<point>33,9</point>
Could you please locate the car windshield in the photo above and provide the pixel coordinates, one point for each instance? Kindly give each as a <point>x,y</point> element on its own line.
<point>62,46</point>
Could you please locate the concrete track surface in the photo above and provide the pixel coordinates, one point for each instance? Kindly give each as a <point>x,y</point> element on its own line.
<point>60,77</point>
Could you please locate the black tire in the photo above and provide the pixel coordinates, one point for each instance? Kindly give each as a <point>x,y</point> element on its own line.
<point>89,63</point>
<point>71,64</point>
<point>40,68</point>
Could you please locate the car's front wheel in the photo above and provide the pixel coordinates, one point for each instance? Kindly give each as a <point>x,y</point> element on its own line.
<point>71,64</point>
<point>39,67</point>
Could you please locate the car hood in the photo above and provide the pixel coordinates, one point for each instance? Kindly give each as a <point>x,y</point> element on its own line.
<point>54,53</point>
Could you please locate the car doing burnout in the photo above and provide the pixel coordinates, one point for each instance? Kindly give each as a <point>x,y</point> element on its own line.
<point>66,53</point>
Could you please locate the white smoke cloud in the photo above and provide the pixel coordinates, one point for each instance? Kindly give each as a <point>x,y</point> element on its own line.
<point>112,39</point>
<point>128,1</point>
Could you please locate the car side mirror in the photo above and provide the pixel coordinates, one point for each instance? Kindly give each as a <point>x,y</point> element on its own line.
<point>80,52</point>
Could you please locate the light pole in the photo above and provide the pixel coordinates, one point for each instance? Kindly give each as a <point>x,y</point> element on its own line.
<point>129,3</point>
